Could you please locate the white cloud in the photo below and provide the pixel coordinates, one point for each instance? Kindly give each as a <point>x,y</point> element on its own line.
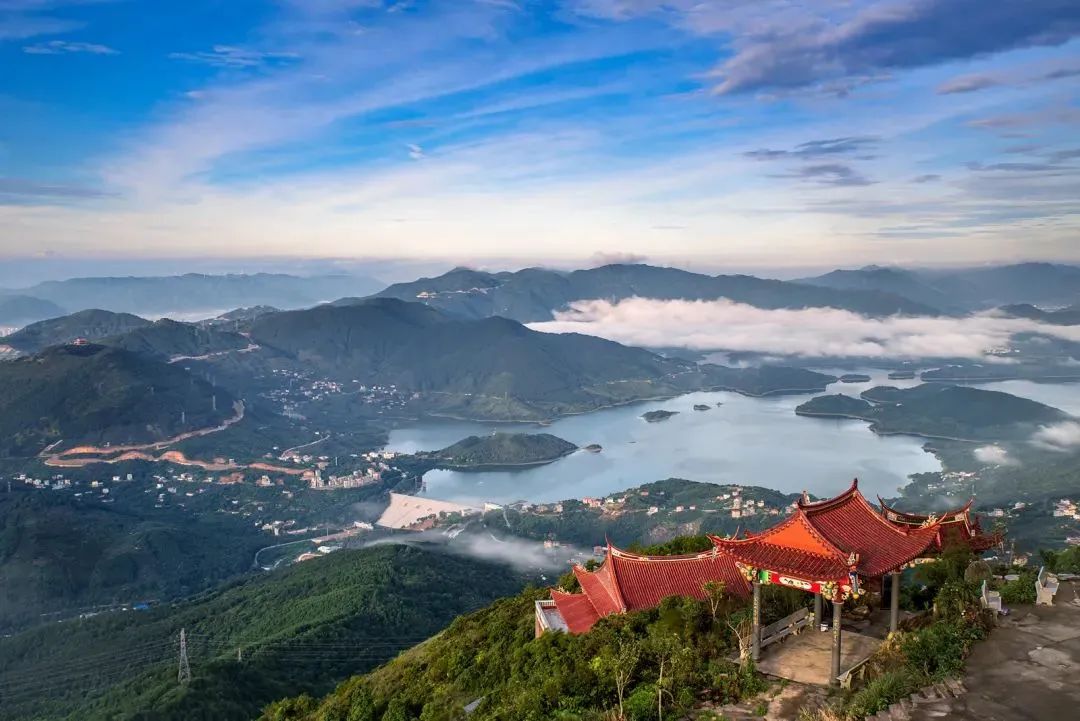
<point>64,47</point>
<point>1059,436</point>
<point>229,56</point>
<point>993,455</point>
<point>812,332</point>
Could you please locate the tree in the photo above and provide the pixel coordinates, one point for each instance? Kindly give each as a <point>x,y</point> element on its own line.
<point>741,625</point>
<point>618,663</point>
<point>668,652</point>
<point>714,596</point>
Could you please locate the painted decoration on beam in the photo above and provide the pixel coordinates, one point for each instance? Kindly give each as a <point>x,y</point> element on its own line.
<point>789,581</point>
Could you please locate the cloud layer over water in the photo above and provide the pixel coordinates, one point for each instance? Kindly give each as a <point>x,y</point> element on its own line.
<point>811,332</point>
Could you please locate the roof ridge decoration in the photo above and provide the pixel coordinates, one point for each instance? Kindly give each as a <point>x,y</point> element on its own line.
<point>807,504</point>
<point>660,558</point>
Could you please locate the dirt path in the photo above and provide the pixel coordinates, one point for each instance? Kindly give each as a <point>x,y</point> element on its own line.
<point>103,454</point>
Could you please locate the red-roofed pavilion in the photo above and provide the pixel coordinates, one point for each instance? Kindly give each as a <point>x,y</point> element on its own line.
<point>958,527</point>
<point>830,548</point>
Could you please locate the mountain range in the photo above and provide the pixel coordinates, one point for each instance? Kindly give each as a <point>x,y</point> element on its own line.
<point>534,294</point>
<point>965,289</point>
<point>490,368</point>
<point>187,294</point>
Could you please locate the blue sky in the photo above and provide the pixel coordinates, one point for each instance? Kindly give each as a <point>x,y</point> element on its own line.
<point>736,133</point>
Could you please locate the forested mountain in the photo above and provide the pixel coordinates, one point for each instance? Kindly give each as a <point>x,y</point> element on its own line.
<point>491,368</point>
<point>898,281</point>
<point>96,394</point>
<point>92,324</point>
<point>936,409</point>
<point>197,292</point>
<point>967,288</point>
<point>299,630</point>
<point>60,553</point>
<point>16,309</point>
<point>533,294</point>
<point>169,339</point>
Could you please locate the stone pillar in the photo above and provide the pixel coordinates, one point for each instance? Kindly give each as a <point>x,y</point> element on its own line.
<point>834,677</point>
<point>894,601</point>
<point>817,610</point>
<point>755,632</point>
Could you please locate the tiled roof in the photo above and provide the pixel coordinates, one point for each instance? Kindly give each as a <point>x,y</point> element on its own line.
<point>646,580</point>
<point>957,526</point>
<point>851,524</point>
<point>631,582</point>
<point>600,587</point>
<point>576,610</point>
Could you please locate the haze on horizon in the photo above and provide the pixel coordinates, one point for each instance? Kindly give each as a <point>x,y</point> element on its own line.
<point>738,134</point>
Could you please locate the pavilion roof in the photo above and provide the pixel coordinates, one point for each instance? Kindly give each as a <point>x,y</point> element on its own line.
<point>576,610</point>
<point>628,581</point>
<point>824,540</point>
<point>958,526</point>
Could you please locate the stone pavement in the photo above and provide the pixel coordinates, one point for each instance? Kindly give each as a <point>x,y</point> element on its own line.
<point>1028,670</point>
<point>807,657</point>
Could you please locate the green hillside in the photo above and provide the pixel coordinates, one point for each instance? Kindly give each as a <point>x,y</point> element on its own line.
<point>167,339</point>
<point>90,324</point>
<point>302,629</point>
<point>491,662</point>
<point>94,394</point>
<point>60,554</point>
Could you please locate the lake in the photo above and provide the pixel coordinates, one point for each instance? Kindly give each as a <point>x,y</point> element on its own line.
<point>749,441</point>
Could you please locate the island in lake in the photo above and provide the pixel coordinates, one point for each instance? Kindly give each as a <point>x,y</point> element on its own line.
<point>934,410</point>
<point>902,375</point>
<point>701,407</point>
<point>503,450</point>
<point>854,378</point>
<point>657,416</point>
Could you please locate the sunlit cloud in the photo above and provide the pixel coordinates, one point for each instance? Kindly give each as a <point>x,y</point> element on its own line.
<point>1063,436</point>
<point>810,332</point>
<point>994,456</point>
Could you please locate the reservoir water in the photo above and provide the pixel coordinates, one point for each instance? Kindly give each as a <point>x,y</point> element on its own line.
<point>750,441</point>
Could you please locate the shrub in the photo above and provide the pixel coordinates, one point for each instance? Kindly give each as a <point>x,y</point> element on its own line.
<point>1067,561</point>
<point>955,599</point>
<point>883,691</point>
<point>641,704</point>
<point>1020,591</point>
<point>938,650</point>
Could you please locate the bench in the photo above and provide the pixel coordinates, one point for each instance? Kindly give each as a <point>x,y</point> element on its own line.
<point>1046,586</point>
<point>856,672</point>
<point>991,599</point>
<point>785,627</point>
